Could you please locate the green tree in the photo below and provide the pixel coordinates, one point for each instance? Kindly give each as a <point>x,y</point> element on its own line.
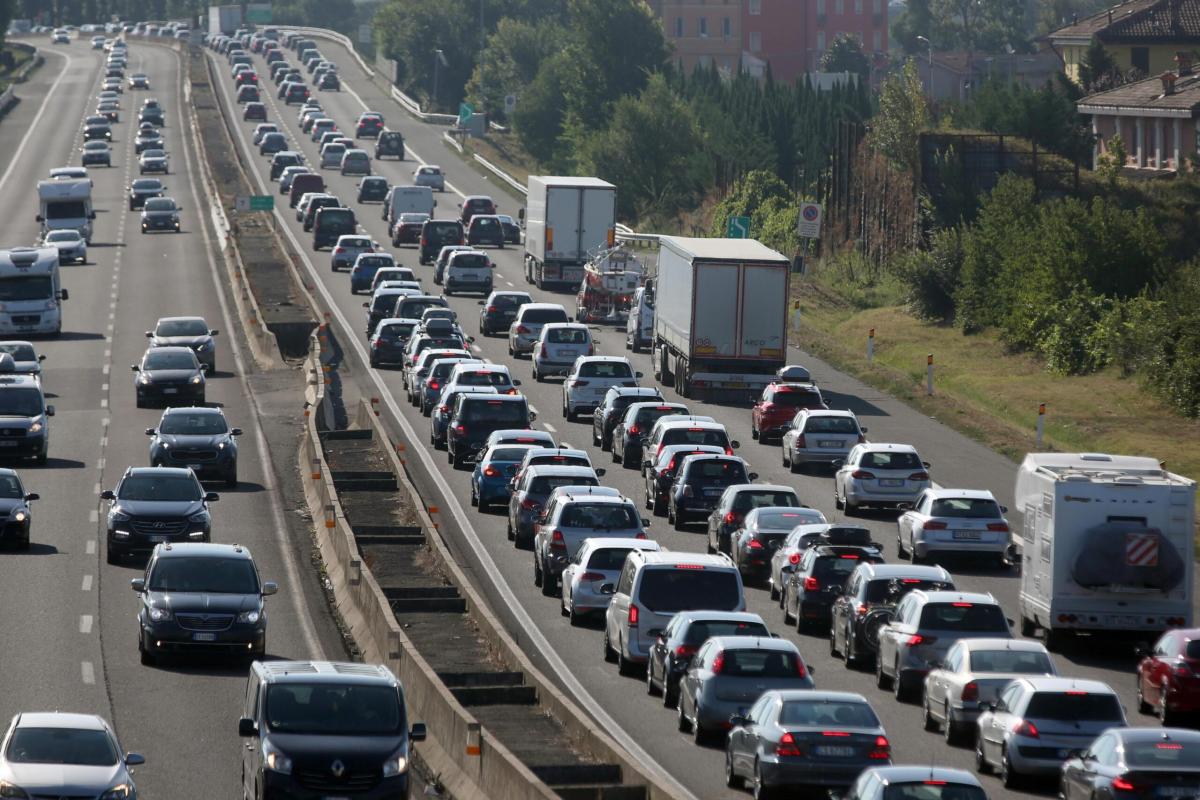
<point>916,20</point>
<point>411,31</point>
<point>846,55</point>
<point>514,53</point>
<point>975,25</point>
<point>1097,70</point>
<point>903,114</point>
<point>1046,115</point>
<point>538,118</point>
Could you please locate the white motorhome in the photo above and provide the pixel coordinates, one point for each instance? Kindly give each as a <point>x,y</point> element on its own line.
<point>31,294</point>
<point>408,200</point>
<point>1107,545</point>
<point>66,205</point>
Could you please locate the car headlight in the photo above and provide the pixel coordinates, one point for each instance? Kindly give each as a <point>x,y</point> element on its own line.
<point>249,617</point>
<point>197,379</point>
<point>35,427</point>
<point>11,790</point>
<point>158,614</point>
<point>118,515</point>
<point>397,763</point>
<point>119,792</point>
<point>20,516</point>
<point>274,758</point>
<point>207,345</point>
<point>221,445</point>
<point>199,517</point>
<point>143,378</point>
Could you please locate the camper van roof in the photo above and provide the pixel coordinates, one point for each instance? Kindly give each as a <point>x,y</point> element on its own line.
<point>1092,462</point>
<point>1099,467</point>
<point>29,259</point>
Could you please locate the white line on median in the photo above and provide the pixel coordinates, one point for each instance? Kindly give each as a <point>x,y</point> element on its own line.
<point>85,623</point>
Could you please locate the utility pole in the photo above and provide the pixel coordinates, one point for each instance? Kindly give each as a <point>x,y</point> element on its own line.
<point>438,57</point>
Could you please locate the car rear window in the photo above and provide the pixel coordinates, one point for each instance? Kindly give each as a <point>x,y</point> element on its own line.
<point>413,308</point>
<point>513,454</point>
<point>709,436</point>
<point>760,499</point>
<point>830,425</point>
<point>507,301</point>
<point>1023,662</point>
<point>545,484</point>
<point>438,232</point>
<point>669,589</point>
<point>718,471</point>
<point>1159,754</point>
<point>1074,707</point>
<point>975,617</point>
<point>507,413</point>
<point>605,369</point>
<point>544,315</point>
<point>835,569</point>
<point>890,590</point>
<point>397,330</point>
<point>608,558</point>
<point>604,516</point>
<point>700,630</point>
<point>965,508</point>
<point>567,336</point>
<point>747,663</point>
<point>891,460</point>
<point>471,261</point>
<point>782,520</point>
<point>827,714</point>
<point>933,790</point>
<point>484,378</point>
<point>383,301</point>
<point>797,399</point>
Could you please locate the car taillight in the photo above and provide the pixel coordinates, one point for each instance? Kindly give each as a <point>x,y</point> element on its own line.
<point>545,352</point>
<point>787,746</point>
<point>794,558</point>
<point>339,250</point>
<point>424,241</point>
<point>801,670</point>
<point>800,441</point>
<point>491,471</point>
<point>970,692</point>
<point>433,384</point>
<point>728,450</point>
<point>591,350</point>
<point>811,584</point>
<point>530,505</point>
<point>862,609</point>
<point>685,651</point>
<point>578,382</point>
<point>557,542</point>
<point>1027,728</point>
<point>730,517</point>
<point>687,490</point>
<point>633,430</point>
<point>1182,670</point>
<point>633,616</point>
<point>491,309</point>
<point>998,526</point>
<point>718,663</point>
<point>444,409</point>
<point>917,639</point>
<point>522,329</point>
<point>933,525</point>
<point>1123,784</point>
<point>755,544</point>
<point>882,750</point>
<point>592,576</point>
<point>862,439</point>
<point>919,476</point>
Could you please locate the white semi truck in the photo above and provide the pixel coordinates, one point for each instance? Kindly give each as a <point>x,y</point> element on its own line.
<point>66,205</point>
<point>1107,546</point>
<point>720,316</point>
<point>567,221</point>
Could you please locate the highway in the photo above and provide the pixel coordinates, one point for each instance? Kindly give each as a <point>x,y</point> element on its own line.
<point>573,656</point>
<point>69,619</point>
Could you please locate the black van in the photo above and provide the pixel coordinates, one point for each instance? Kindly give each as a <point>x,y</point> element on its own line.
<point>436,234</point>
<point>330,223</point>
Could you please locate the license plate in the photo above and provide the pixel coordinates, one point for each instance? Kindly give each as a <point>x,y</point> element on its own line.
<point>194,467</point>
<point>204,637</point>
<point>8,444</point>
<point>1178,791</point>
<point>967,534</point>
<point>712,492</point>
<point>829,444</point>
<point>170,391</point>
<point>833,751</point>
<point>334,797</point>
<point>159,539</point>
<point>891,482</point>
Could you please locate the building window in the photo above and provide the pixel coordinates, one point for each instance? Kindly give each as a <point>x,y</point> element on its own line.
<point>820,41</point>
<point>755,7</point>
<point>877,7</point>
<point>702,27</point>
<point>820,8</point>
<point>1139,57</point>
<point>727,27</point>
<point>839,6</point>
<point>857,6</point>
<point>755,41</point>
<point>877,41</point>
<point>679,27</point>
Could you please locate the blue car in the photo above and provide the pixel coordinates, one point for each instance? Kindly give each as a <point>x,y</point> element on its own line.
<point>493,470</point>
<point>362,274</point>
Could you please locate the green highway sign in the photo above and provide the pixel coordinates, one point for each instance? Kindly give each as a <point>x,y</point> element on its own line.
<point>258,12</point>
<point>262,202</point>
<point>465,112</point>
<point>738,228</point>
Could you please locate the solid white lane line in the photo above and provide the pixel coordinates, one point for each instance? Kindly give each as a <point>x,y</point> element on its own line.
<point>33,125</point>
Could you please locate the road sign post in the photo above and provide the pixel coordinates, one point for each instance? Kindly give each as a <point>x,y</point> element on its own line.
<point>737,228</point>
<point>810,221</point>
<point>465,112</point>
<point>241,203</point>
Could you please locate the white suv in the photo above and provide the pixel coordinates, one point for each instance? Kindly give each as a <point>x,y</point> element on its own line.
<point>590,379</point>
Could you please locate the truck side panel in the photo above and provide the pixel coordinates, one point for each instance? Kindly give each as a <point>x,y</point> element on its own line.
<point>763,329</point>
<point>714,333</point>
<point>535,219</point>
<point>562,223</point>
<point>673,300</point>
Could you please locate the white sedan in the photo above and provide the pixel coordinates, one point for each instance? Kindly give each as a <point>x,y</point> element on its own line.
<point>973,672</point>
<point>70,244</point>
<point>966,521</point>
<point>598,562</point>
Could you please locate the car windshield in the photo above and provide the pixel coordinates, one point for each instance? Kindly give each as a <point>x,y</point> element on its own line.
<point>10,487</point>
<point>87,748</point>
<point>1156,753</point>
<point>470,261</point>
<point>329,709</point>
<point>709,436</point>
<point>759,499</point>
<point>567,336</point>
<point>748,663</point>
<point>154,154</point>
<point>26,287</point>
<point>796,399</point>
<point>165,488</point>
<point>181,327</point>
<point>933,790</point>
<point>18,401</point>
<point>63,236</point>
<point>975,617</point>
<point>700,630</point>
<point>1022,662</point>
<point>1075,707</point>
<point>206,574</point>
<point>147,183</point>
<point>605,369</point>
<point>193,424</point>
<point>599,516</point>
<point>96,147</point>
<point>966,508</point>
<point>689,587</point>
<point>827,714</point>
<point>160,204</point>
<point>413,218</point>
<point>886,459</point>
<point>169,361</point>
<point>843,425</point>
<point>484,378</point>
<point>504,413</point>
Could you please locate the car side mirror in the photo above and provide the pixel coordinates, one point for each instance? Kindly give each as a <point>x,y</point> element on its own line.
<point>42,357</point>
<point>737,720</point>
<point>49,411</point>
<point>863,430</point>
<point>138,585</point>
<point>753,476</point>
<point>1011,622</point>
<point>521,214</point>
<point>481,303</point>
<point>532,416</point>
<point>417,732</point>
<point>134,759</point>
<point>247,727</point>
<point>837,463</point>
<point>600,472</point>
<point>516,382</point>
<point>38,218</point>
<point>904,506</point>
<point>1141,650</point>
<point>235,432</point>
<point>149,334</point>
<point>108,494</point>
<point>135,368</point>
<point>608,588</point>
<point>986,706</point>
<point>366,305</point>
<point>753,399</point>
<point>151,431</point>
<point>1003,509</point>
<point>925,464</point>
<point>204,367</point>
<point>31,496</point>
<point>211,497</point>
<point>214,332</point>
<point>735,444</point>
<point>269,588</point>
<point>637,375</point>
<point>645,522</point>
<point>63,294</point>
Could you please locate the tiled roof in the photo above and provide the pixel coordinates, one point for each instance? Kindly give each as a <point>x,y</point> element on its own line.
<point>1147,94</point>
<point>1091,25</point>
<point>1165,21</point>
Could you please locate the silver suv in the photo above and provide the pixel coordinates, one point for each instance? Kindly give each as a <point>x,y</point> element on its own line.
<point>525,329</point>
<point>558,346</point>
<point>591,378</point>
<point>574,514</point>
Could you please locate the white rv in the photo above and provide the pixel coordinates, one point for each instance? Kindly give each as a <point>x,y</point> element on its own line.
<point>1107,545</point>
<point>66,205</point>
<point>31,294</point>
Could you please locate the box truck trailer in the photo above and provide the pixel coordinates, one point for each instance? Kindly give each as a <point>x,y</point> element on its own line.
<point>567,221</point>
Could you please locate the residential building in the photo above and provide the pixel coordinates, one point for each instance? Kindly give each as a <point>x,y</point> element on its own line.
<point>953,75</point>
<point>702,33</point>
<point>1155,118</point>
<point>1141,35</point>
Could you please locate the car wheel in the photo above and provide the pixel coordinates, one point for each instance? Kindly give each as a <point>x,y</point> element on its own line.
<point>783,603</point>
<point>952,731</point>
<point>624,667</point>
<point>574,617</point>
<point>837,498</point>
<point>732,779</point>
<point>681,720</point>
<point>700,734</point>
<point>538,579</point>
<point>833,650</point>
<point>881,678</point>
<point>231,480</point>
<point>901,552</point>
<point>549,583</point>
<point>852,659</point>
<point>1008,776</point>
<point>774,591</point>
<point>903,689</point>
<point>981,763</point>
<point>651,689</point>
<point>1165,714</point>
<point>147,658</point>
<point>610,655</point>
<point>760,790</point>
<point>511,533</point>
<point>111,555</point>
<point>927,719</point>
<point>678,522</point>
<point>474,496</point>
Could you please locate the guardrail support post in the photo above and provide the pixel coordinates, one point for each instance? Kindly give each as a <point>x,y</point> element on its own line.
<point>870,345</point>
<point>1041,424</point>
<point>929,374</point>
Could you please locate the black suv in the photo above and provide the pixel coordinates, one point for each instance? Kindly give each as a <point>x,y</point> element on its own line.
<point>330,224</point>
<point>866,603</point>
<point>156,505</point>
<point>201,598</point>
<point>199,439</point>
<point>373,189</point>
<point>475,417</point>
<point>15,516</point>
<point>818,579</point>
<point>699,484</point>
<point>390,143</point>
<point>439,233</point>
<point>499,310</point>
<point>325,729</point>
<point>142,189</point>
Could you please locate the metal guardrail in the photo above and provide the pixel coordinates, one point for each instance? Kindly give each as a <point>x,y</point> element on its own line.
<point>7,98</point>
<point>450,140</point>
<point>501,174</point>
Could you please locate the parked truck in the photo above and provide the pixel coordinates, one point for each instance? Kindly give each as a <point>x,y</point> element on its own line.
<point>567,221</point>
<point>224,20</point>
<point>1106,546</point>
<point>66,204</point>
<point>720,317</point>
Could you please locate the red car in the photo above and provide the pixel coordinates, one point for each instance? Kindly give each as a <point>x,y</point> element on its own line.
<point>247,78</point>
<point>1168,676</point>
<point>407,229</point>
<point>369,126</point>
<point>773,412</point>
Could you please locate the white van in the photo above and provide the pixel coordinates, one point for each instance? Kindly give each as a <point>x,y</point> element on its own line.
<point>406,199</point>
<point>653,588</point>
<point>639,327</point>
